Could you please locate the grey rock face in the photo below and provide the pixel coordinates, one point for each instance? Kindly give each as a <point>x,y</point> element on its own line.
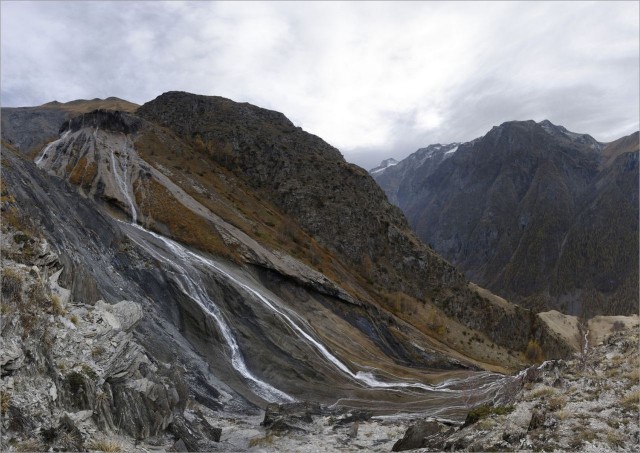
<point>26,128</point>
<point>125,314</point>
<point>11,355</point>
<point>70,370</point>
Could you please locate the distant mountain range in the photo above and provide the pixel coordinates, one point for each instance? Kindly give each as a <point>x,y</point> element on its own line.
<point>542,216</point>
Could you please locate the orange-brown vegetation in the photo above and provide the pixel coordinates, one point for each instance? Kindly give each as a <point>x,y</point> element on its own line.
<point>534,352</point>
<point>83,173</point>
<point>159,205</point>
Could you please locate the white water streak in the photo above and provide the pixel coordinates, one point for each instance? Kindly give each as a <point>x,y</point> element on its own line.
<point>194,290</point>
<point>46,149</point>
<point>121,180</point>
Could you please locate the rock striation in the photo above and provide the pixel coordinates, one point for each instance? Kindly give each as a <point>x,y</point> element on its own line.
<point>71,370</point>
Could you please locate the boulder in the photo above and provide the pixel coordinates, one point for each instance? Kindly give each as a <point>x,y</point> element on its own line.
<point>194,433</point>
<point>418,435</point>
<point>123,315</point>
<point>11,356</point>
<point>353,417</point>
<point>290,416</point>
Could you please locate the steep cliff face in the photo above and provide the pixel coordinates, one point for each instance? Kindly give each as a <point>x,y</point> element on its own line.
<point>522,212</point>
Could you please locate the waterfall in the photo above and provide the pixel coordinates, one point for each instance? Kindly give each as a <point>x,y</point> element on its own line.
<point>193,289</point>
<point>46,149</point>
<point>122,181</point>
<point>189,257</point>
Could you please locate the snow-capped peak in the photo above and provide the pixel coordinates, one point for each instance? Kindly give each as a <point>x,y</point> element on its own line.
<point>383,166</point>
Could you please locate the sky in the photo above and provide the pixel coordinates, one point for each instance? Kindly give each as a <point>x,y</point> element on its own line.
<point>375,80</point>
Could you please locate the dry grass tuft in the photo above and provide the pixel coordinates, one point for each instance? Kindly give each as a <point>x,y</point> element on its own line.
<point>56,306</point>
<point>30,445</point>
<point>5,401</point>
<point>631,402</point>
<point>633,376</point>
<point>541,392</point>
<point>12,283</point>
<point>556,403</point>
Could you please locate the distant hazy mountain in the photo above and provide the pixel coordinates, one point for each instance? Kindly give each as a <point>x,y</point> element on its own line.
<point>540,215</point>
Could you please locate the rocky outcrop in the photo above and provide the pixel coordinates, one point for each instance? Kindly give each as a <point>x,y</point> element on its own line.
<point>428,433</point>
<point>109,120</point>
<point>589,403</point>
<point>290,416</point>
<point>28,129</point>
<point>71,371</point>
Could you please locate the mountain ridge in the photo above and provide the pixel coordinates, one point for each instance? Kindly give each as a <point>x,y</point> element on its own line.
<point>547,169</point>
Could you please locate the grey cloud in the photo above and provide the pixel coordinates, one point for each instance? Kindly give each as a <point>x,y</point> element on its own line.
<point>362,76</point>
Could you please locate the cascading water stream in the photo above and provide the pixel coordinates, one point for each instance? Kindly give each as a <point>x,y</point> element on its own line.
<point>193,289</point>
<point>121,180</point>
<point>46,149</point>
<point>365,378</point>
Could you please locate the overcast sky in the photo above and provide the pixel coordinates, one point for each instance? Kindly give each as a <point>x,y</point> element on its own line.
<point>373,79</point>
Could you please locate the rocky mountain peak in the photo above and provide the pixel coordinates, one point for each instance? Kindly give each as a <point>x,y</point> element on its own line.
<point>486,210</point>
<point>166,108</point>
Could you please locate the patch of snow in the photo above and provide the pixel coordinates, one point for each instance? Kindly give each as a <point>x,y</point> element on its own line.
<point>547,127</point>
<point>384,165</point>
<point>451,151</point>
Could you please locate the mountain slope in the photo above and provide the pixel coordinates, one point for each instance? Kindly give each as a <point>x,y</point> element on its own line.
<point>540,215</point>
<point>266,268</point>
